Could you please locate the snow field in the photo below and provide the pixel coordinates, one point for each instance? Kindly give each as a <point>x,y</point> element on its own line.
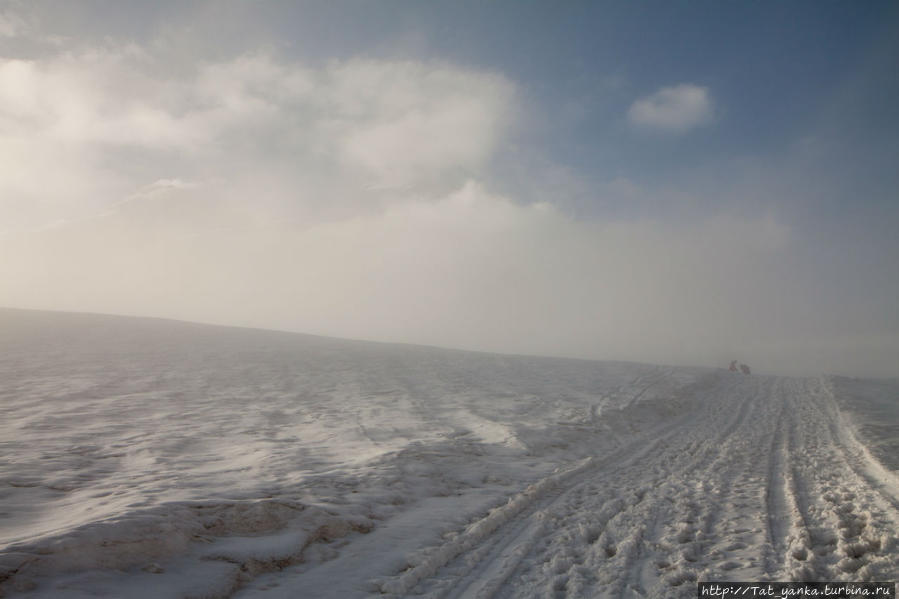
<point>147,455</point>
<point>150,458</point>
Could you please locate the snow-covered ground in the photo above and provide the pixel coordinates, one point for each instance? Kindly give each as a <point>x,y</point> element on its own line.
<point>150,458</point>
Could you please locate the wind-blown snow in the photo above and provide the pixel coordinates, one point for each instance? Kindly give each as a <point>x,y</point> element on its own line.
<point>150,458</point>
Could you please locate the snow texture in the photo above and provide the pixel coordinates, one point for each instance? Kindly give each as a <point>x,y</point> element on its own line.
<point>149,458</point>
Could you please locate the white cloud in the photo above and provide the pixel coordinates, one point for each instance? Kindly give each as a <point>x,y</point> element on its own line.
<point>677,108</point>
<point>11,24</point>
<point>106,122</point>
<point>430,119</point>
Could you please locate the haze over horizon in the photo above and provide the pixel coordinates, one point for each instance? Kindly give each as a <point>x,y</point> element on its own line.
<point>669,183</point>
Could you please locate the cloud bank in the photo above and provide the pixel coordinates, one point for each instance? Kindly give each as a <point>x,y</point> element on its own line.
<point>350,198</point>
<point>470,269</point>
<point>677,109</point>
<point>107,122</point>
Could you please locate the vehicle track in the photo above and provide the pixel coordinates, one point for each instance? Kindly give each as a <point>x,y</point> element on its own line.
<point>755,483</point>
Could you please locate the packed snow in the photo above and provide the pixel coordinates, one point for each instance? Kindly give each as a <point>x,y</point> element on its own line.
<point>150,458</point>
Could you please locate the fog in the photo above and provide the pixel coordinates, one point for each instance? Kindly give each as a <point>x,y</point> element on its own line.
<point>373,197</point>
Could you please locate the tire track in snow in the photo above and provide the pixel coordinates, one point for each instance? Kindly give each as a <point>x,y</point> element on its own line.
<point>786,512</point>
<point>516,519</point>
<point>614,469</point>
<point>715,491</point>
<point>484,578</point>
<point>624,542</point>
<point>866,468</point>
<point>851,524</point>
<point>758,483</point>
<point>776,502</point>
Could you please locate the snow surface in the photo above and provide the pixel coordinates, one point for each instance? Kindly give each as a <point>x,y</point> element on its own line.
<point>151,458</point>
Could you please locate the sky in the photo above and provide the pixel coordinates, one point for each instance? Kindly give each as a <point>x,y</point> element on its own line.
<point>669,182</point>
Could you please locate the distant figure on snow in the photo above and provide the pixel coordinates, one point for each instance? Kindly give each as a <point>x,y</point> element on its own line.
<point>733,366</point>
<point>744,369</point>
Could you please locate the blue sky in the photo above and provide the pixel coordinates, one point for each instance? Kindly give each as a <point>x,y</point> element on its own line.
<point>677,182</point>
